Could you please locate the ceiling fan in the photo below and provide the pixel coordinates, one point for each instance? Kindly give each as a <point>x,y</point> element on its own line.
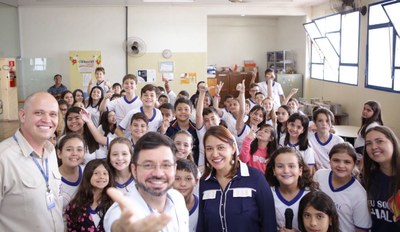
<point>346,5</point>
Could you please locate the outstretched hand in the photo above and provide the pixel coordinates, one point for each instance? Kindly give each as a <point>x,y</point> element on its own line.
<point>85,115</point>
<point>202,88</point>
<point>241,87</point>
<point>219,87</point>
<point>129,221</point>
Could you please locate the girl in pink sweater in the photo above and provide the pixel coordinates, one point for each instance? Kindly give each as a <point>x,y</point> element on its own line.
<point>257,147</point>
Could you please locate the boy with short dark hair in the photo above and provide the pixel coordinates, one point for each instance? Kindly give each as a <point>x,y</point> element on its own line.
<point>186,179</point>
<point>100,81</point>
<point>183,110</point>
<point>121,106</point>
<point>116,88</point>
<point>149,99</point>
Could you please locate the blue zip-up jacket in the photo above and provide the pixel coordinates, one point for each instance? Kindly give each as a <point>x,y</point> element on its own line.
<point>247,203</point>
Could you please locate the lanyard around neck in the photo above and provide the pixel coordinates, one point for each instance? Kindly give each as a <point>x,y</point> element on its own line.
<point>45,173</point>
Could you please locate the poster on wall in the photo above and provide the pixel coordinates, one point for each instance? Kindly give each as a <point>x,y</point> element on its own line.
<point>146,76</point>
<point>82,66</point>
<point>86,66</point>
<point>167,66</point>
<point>188,78</point>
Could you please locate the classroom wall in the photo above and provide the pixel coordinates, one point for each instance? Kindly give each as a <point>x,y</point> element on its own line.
<point>291,36</point>
<point>9,34</point>
<point>53,31</point>
<point>353,98</point>
<point>231,40</point>
<point>180,29</point>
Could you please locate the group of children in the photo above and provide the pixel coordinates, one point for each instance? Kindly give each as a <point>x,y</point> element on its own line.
<point>239,167</point>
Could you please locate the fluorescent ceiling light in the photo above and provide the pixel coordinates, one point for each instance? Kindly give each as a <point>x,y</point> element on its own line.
<point>168,1</point>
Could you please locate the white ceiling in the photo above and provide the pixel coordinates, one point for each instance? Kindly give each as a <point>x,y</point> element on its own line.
<point>282,3</point>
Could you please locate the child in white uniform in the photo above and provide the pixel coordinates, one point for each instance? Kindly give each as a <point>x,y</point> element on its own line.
<point>297,137</point>
<point>323,140</point>
<point>348,194</point>
<point>290,179</point>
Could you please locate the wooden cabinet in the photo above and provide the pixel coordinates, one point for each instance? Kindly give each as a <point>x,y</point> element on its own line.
<point>230,80</point>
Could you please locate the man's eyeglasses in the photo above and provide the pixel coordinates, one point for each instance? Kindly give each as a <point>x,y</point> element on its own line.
<point>153,166</point>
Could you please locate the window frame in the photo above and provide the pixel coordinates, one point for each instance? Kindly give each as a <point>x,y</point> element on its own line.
<point>394,38</point>
<point>340,63</point>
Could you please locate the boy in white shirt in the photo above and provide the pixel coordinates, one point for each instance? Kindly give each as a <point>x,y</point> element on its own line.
<point>121,106</point>
<point>148,97</point>
<point>186,179</point>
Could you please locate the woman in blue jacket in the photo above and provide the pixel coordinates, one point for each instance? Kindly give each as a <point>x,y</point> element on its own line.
<point>233,196</point>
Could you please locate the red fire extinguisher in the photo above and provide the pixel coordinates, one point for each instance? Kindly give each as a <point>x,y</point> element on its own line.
<point>12,77</point>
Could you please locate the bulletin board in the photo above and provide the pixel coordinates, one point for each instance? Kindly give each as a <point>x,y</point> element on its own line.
<point>82,66</point>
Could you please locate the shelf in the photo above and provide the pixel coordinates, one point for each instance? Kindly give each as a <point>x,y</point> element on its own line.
<point>281,61</point>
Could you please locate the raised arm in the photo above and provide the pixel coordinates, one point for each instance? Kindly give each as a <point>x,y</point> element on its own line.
<point>242,106</point>
<point>290,95</point>
<point>253,76</point>
<point>270,81</point>
<point>100,138</point>
<point>170,93</point>
<point>104,102</point>
<point>90,86</point>
<point>216,98</point>
<point>200,104</point>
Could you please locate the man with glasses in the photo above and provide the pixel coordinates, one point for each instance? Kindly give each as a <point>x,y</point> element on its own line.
<point>153,205</point>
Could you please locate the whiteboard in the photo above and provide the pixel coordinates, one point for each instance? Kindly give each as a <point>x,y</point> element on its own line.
<point>37,75</point>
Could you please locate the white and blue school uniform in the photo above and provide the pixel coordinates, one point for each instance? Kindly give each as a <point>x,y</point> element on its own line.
<point>360,141</point>
<point>121,106</point>
<point>200,135</point>
<point>103,85</point>
<point>251,102</point>
<point>246,204</point>
<point>231,123</point>
<point>194,214</point>
<point>69,188</point>
<point>95,114</point>
<point>154,122</point>
<point>281,204</point>
<point>89,156</point>
<point>101,153</point>
<point>277,91</point>
<point>308,154</point>
<point>322,149</point>
<point>126,187</point>
<point>350,200</point>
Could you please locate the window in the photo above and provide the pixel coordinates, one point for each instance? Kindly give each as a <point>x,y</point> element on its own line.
<point>38,64</point>
<point>335,47</point>
<point>383,59</point>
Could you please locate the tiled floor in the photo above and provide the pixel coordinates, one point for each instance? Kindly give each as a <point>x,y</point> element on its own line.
<point>8,128</point>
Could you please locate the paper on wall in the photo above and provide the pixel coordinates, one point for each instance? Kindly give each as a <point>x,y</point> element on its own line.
<point>86,77</point>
